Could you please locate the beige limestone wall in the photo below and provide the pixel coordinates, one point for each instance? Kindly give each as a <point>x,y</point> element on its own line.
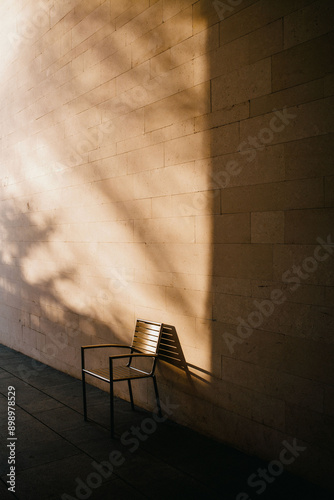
<point>170,160</point>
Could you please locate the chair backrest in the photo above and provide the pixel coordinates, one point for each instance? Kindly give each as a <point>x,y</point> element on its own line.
<point>147,336</point>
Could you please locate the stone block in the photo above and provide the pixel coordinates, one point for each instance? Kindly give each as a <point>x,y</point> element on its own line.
<point>173,31</point>
<point>85,8</point>
<point>302,63</point>
<point>160,64</point>
<point>232,228</point>
<point>90,24</point>
<point>265,41</point>
<point>305,226</point>
<point>102,93</point>
<point>179,129</point>
<point>134,77</point>
<point>222,117</point>
<point>224,60</point>
<point>125,128</point>
<point>143,294</point>
<point>237,169</point>
<point>242,85</point>
<point>204,16</point>
<point>165,230</point>
<point>227,309</point>
<point>166,181</point>
<point>134,11</point>
<point>185,149</point>
<point>177,257</point>
<point>256,15</point>
<point>296,265</point>
<point>115,65</point>
<point>134,209</point>
<point>201,203</point>
<point>161,206</point>
<point>290,124</point>
<point>120,231</point>
<point>231,286</point>
<point>194,47</point>
<point>329,296</point>
<point>310,157</point>
<point>195,303</point>
<point>118,7</point>
<point>312,427</point>
<point>267,227</point>
<point>178,107</point>
<point>303,193</point>
<point>225,139</point>
<point>299,94</point>
<point>242,261</point>
<point>307,23</point>
<point>170,9</point>
<point>329,85</point>
<point>329,401</point>
<point>4,326</point>
<point>308,359</point>
<point>29,337</point>
<point>305,294</point>
<point>145,159</point>
<point>186,281</point>
<point>329,191</point>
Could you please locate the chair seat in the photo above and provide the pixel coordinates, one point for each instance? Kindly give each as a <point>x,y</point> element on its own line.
<point>120,373</point>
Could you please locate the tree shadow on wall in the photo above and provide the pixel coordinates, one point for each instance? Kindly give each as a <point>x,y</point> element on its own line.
<point>34,316</point>
<point>71,231</point>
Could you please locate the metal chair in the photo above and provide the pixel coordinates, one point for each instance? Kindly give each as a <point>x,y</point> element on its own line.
<point>145,344</point>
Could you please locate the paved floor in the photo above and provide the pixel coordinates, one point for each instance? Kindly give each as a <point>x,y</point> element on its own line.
<point>59,456</point>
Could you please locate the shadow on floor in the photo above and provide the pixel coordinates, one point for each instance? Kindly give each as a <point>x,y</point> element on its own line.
<point>59,456</point>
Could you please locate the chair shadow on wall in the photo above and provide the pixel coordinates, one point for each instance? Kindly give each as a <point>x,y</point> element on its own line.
<point>170,351</point>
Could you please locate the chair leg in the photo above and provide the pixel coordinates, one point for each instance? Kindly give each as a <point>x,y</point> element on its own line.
<point>83,382</point>
<point>157,395</point>
<point>112,419</point>
<point>131,396</point>
<point>84,395</point>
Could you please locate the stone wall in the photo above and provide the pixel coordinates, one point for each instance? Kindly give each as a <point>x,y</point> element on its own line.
<point>170,160</point>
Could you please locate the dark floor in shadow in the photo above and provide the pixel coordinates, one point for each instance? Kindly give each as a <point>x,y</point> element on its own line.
<point>59,456</point>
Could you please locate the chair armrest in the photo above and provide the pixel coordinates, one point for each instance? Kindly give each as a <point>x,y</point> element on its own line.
<point>97,346</point>
<point>141,355</point>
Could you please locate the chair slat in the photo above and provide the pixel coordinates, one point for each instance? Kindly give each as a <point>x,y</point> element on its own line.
<point>147,333</point>
<point>146,338</point>
<point>126,373</point>
<point>139,320</point>
<point>142,340</point>
<point>145,348</point>
<point>102,373</point>
<point>145,326</point>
